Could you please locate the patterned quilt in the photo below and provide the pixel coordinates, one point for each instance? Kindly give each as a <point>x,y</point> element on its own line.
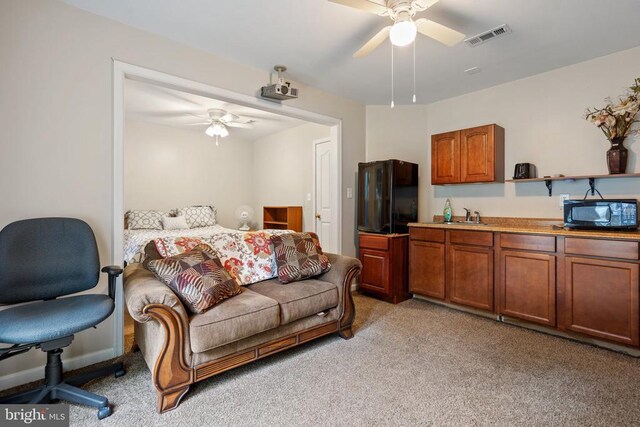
<point>248,256</point>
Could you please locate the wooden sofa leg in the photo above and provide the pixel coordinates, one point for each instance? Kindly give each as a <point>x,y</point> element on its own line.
<point>346,333</point>
<point>168,400</point>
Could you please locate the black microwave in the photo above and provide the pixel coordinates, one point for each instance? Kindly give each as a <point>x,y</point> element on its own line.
<point>614,214</point>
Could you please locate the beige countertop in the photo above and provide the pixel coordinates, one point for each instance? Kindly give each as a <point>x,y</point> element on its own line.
<point>529,226</point>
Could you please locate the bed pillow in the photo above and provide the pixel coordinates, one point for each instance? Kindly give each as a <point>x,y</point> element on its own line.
<point>199,216</point>
<point>174,223</point>
<point>144,220</point>
<point>299,256</point>
<point>197,278</point>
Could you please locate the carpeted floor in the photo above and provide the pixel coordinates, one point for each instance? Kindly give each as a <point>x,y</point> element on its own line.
<point>410,364</point>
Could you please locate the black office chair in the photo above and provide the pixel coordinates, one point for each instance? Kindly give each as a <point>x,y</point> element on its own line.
<point>40,260</point>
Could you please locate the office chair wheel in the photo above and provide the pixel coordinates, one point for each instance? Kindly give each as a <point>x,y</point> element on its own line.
<point>120,372</point>
<point>104,412</point>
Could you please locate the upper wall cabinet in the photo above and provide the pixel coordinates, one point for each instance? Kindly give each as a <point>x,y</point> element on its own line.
<point>468,155</point>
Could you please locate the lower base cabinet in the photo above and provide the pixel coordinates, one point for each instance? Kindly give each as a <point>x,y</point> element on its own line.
<point>384,266</point>
<point>470,276</point>
<point>601,299</point>
<point>527,286</point>
<point>427,268</point>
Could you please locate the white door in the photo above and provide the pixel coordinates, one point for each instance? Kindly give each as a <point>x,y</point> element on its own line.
<point>324,209</point>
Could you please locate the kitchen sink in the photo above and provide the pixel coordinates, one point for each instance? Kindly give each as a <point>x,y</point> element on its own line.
<point>463,223</point>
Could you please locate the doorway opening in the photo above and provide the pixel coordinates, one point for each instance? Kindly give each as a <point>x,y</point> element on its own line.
<point>134,121</point>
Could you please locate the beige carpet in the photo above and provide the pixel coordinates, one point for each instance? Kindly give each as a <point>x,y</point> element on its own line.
<point>410,364</point>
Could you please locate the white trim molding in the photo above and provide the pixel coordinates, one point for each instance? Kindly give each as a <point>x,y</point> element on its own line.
<point>122,71</point>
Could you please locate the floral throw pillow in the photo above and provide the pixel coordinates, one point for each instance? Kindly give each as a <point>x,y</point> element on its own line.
<point>144,220</point>
<point>299,256</point>
<point>197,278</point>
<point>199,216</point>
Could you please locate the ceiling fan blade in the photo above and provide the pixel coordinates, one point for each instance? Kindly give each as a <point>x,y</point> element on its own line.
<point>239,125</point>
<point>198,124</point>
<point>229,117</point>
<point>439,32</point>
<point>421,5</point>
<point>378,7</point>
<point>373,43</point>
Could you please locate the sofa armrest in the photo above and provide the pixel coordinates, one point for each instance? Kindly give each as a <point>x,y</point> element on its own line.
<point>343,272</point>
<point>142,289</point>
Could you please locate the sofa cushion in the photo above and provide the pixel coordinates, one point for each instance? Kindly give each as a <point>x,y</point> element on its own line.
<point>197,277</point>
<point>299,256</point>
<point>300,299</point>
<point>246,314</point>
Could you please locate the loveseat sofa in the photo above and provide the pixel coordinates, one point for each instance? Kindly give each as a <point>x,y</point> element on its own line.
<point>267,317</point>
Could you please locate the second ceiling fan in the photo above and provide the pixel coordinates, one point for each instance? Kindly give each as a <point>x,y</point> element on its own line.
<point>404,28</point>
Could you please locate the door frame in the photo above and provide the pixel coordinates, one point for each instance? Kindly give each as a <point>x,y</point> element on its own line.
<point>121,72</point>
<point>335,196</point>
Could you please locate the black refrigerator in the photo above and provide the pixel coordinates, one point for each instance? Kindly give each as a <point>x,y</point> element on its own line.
<point>387,196</point>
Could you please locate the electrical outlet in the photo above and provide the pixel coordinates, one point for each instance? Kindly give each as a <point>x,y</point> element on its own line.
<point>564,197</point>
<point>349,193</point>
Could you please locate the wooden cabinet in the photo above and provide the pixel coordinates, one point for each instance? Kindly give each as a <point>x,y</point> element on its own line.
<point>527,286</point>
<point>470,276</point>
<point>427,262</point>
<point>445,158</point>
<point>384,266</point>
<point>282,217</point>
<point>468,156</point>
<point>601,299</point>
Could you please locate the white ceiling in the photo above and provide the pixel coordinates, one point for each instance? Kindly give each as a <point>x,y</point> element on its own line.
<point>169,107</point>
<point>316,38</point>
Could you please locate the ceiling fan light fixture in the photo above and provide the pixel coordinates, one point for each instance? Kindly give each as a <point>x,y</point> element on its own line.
<point>217,129</point>
<point>403,33</point>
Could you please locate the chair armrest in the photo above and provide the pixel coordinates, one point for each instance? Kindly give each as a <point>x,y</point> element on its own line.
<point>113,271</point>
<point>142,288</point>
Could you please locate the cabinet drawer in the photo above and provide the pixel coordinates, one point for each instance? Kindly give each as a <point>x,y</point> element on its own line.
<point>601,248</point>
<point>428,234</point>
<point>478,238</point>
<point>528,242</point>
<point>368,241</point>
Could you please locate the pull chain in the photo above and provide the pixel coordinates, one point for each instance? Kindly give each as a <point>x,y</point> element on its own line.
<point>414,71</point>
<point>392,104</point>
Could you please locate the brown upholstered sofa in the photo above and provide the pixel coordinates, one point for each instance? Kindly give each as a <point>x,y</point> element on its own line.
<point>181,349</point>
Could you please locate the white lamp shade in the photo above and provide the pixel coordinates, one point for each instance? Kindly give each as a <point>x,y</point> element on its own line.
<point>403,33</point>
<point>217,129</point>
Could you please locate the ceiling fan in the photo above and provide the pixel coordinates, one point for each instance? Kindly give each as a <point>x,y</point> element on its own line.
<point>220,119</point>
<point>404,28</point>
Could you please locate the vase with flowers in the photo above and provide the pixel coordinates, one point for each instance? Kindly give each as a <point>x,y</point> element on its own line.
<point>615,121</point>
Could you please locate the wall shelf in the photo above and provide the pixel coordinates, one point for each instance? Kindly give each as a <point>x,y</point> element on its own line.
<point>592,179</point>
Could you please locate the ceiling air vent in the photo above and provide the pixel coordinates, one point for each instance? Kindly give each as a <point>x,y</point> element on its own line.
<point>488,35</point>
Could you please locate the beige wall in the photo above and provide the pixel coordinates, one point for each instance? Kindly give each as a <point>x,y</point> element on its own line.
<point>168,168</point>
<point>56,109</point>
<point>543,118</point>
<point>283,170</point>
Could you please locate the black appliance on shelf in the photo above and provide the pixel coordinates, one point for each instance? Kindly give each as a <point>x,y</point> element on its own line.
<point>387,196</point>
<point>605,214</point>
<point>525,171</point>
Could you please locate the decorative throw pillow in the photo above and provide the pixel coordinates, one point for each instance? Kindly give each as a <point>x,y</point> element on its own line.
<point>144,220</point>
<point>197,278</point>
<point>174,223</point>
<point>299,256</point>
<point>199,216</point>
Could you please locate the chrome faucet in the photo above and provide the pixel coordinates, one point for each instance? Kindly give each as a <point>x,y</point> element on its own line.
<point>477,219</point>
<point>467,217</point>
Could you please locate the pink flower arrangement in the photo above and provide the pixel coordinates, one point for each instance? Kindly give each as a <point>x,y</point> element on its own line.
<point>615,120</point>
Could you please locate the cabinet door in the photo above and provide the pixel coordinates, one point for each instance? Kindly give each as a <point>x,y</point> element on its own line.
<point>470,276</point>
<point>527,286</point>
<point>426,269</point>
<point>601,299</point>
<point>445,158</point>
<point>375,271</point>
<point>477,154</point>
